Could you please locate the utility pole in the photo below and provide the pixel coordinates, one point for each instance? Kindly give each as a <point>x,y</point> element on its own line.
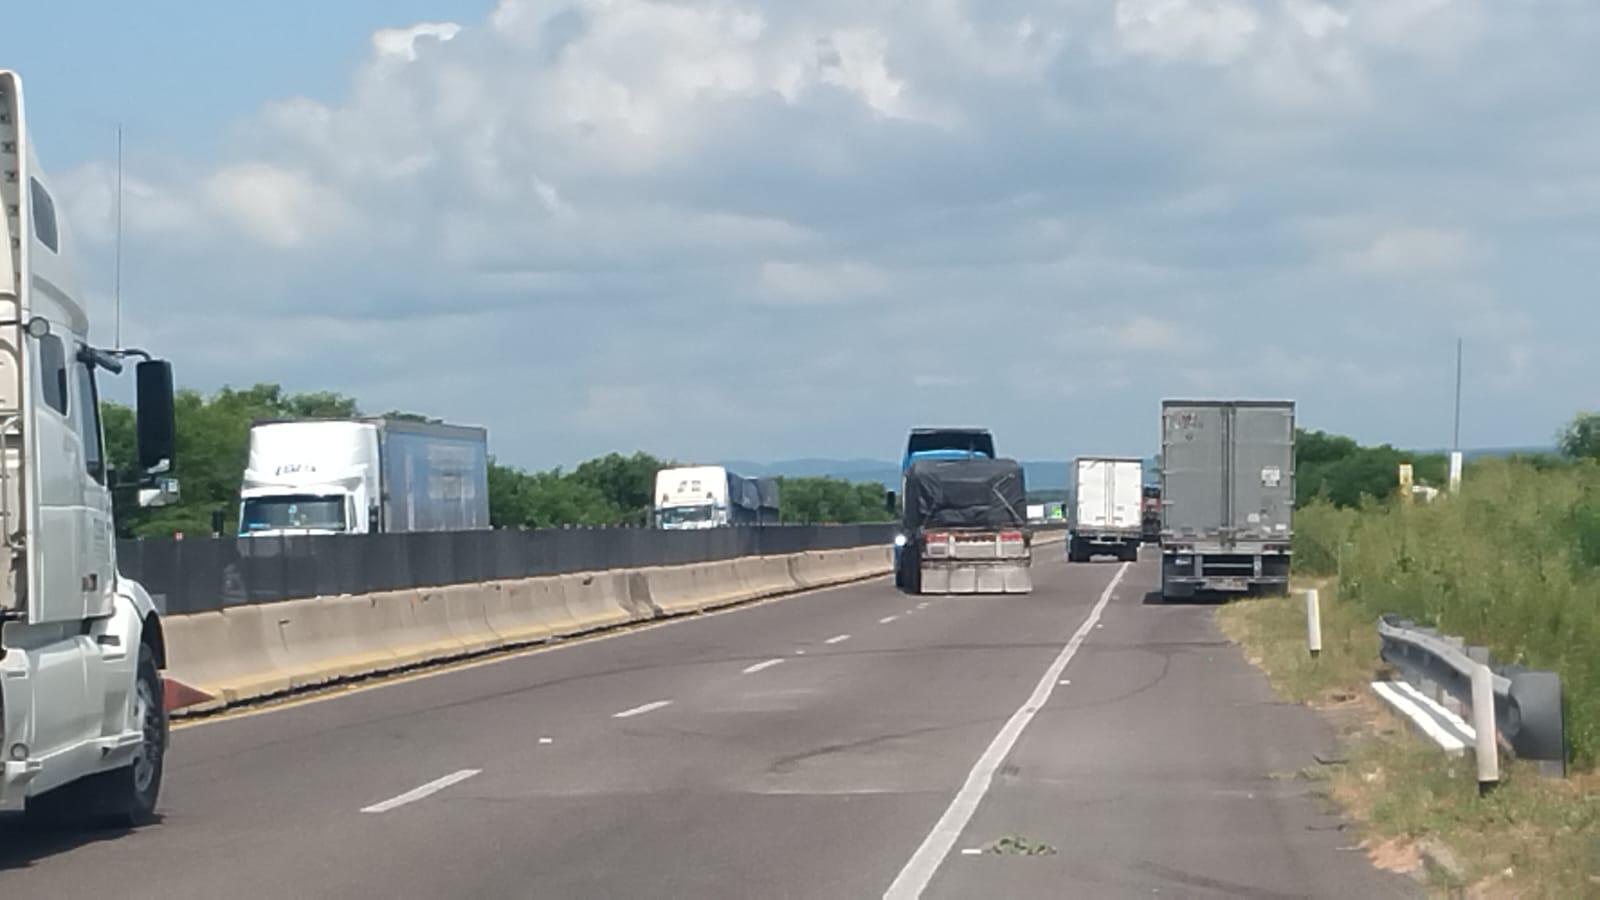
<point>117,277</point>
<point>1455,446</point>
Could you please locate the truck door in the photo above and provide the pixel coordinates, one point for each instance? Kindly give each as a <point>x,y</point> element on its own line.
<point>1262,485</point>
<point>1193,471</point>
<point>58,483</point>
<point>62,675</point>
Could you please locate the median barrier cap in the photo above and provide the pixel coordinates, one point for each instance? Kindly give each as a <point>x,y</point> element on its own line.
<point>426,633</point>
<point>469,617</point>
<point>594,599</point>
<point>228,654</point>
<point>330,638</point>
<point>673,589</point>
<point>509,607</point>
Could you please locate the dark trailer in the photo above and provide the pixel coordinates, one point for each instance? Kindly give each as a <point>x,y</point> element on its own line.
<point>965,522</point>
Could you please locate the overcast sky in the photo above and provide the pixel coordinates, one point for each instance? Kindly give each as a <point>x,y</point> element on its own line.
<point>769,229</point>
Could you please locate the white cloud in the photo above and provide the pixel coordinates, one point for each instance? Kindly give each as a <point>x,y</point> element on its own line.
<point>601,207</point>
<point>402,42</point>
<point>1405,250</point>
<point>810,283</point>
<point>1209,31</point>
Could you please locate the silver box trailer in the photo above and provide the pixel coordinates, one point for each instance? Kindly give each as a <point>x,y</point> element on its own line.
<point>1227,496</point>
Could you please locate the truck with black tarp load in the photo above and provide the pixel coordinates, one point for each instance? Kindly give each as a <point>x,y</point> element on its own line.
<point>965,528</point>
<point>1227,496</point>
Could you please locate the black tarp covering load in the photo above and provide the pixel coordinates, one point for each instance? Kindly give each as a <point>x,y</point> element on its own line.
<point>742,493</point>
<point>965,493</point>
<point>768,489</point>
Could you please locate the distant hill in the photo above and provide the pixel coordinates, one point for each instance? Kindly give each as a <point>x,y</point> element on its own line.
<point>1044,476</point>
<point>1041,475</point>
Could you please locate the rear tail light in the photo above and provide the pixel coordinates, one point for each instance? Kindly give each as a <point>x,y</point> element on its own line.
<point>1011,537</point>
<point>937,544</point>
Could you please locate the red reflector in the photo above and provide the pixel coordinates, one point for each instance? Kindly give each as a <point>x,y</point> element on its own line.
<point>1010,535</point>
<point>937,538</point>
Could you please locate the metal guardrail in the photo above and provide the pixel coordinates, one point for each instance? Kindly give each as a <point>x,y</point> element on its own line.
<point>1527,702</point>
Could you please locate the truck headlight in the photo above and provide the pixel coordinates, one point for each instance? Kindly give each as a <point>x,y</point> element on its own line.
<point>899,540</point>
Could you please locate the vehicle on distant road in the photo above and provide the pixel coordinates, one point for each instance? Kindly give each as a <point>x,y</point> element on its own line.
<point>364,476</point>
<point>1107,508</point>
<point>83,722</point>
<point>964,528</point>
<point>1151,520</point>
<point>712,497</point>
<point>1227,496</point>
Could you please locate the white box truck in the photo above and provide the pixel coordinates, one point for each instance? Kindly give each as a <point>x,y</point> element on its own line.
<point>692,497</point>
<point>1107,508</point>
<point>364,476</point>
<point>83,722</point>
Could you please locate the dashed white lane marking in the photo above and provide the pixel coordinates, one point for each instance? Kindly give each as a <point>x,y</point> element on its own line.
<point>887,619</point>
<point>920,869</point>
<point>799,653</point>
<point>415,794</point>
<point>751,670</point>
<point>1065,681</point>
<point>971,851</point>
<point>641,710</point>
<point>837,638</point>
<point>922,605</point>
<point>546,740</point>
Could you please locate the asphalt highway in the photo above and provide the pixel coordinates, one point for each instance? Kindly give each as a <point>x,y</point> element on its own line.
<point>1080,741</point>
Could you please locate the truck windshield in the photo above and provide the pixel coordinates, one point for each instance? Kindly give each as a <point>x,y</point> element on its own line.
<point>293,512</point>
<point>678,516</point>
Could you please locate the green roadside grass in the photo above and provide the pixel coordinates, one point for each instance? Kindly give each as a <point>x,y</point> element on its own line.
<point>1531,837</point>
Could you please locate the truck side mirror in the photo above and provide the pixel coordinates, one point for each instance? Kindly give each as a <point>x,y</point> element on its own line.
<point>889,499</point>
<point>157,425</point>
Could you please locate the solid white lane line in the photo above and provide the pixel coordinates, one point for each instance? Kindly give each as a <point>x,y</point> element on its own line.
<point>751,670</point>
<point>412,796</point>
<point>920,869</point>
<point>641,710</point>
<point>837,638</point>
<point>887,619</point>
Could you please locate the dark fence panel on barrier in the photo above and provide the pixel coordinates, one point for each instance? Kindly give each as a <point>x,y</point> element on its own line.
<point>198,574</point>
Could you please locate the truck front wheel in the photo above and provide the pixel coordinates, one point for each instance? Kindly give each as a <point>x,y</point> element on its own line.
<point>131,792</point>
<point>125,797</point>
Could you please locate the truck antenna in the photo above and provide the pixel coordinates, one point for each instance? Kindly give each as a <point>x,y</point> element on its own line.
<point>117,275</point>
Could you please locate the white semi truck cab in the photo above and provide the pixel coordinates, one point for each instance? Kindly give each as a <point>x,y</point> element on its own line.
<point>83,724</point>
<point>695,497</point>
<point>364,476</point>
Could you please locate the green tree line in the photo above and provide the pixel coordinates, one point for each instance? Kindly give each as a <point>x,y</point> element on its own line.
<point>213,446</point>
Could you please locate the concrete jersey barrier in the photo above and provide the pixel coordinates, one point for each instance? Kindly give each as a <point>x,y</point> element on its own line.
<point>250,653</point>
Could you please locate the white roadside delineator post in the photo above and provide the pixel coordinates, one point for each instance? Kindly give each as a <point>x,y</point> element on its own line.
<point>1488,749</point>
<point>1313,623</point>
